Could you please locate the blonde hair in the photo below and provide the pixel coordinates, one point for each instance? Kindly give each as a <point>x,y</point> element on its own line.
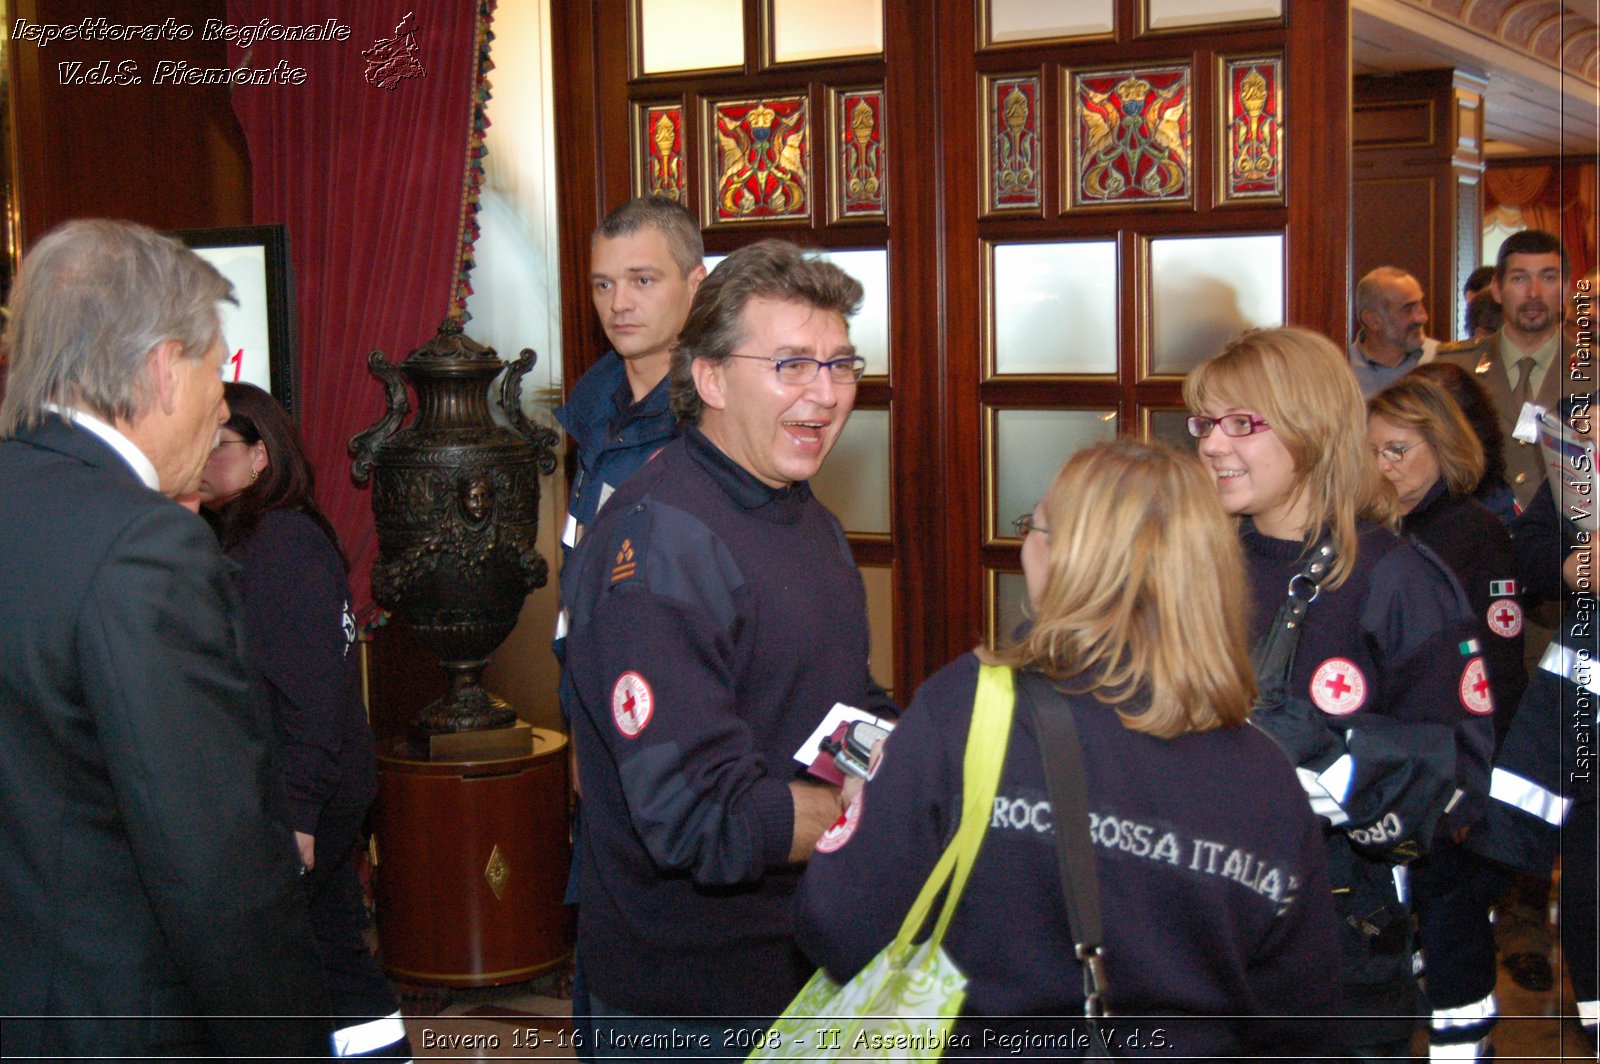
<point>1419,404</point>
<point>1145,593</point>
<point>1302,386</point>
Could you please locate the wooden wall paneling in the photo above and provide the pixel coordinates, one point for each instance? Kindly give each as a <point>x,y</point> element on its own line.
<point>1416,161</point>
<point>917,136</point>
<point>1317,145</point>
<point>93,142</point>
<point>581,158</point>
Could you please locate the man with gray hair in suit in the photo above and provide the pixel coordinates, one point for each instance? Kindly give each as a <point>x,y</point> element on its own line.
<point>149,897</point>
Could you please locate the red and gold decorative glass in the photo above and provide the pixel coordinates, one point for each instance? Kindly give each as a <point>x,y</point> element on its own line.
<point>1130,136</point>
<point>661,149</point>
<point>859,157</point>
<point>761,157</point>
<point>1013,154</point>
<point>1252,164</point>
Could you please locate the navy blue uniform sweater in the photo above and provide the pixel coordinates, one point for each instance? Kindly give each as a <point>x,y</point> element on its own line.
<point>1213,881</point>
<point>1391,661</point>
<point>713,622</point>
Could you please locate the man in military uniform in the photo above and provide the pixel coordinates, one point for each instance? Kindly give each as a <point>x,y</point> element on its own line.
<point>1528,360</point>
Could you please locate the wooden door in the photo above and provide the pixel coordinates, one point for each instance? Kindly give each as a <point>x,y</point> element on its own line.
<point>1057,209</point>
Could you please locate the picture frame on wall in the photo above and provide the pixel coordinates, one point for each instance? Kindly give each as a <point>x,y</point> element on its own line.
<point>260,331</point>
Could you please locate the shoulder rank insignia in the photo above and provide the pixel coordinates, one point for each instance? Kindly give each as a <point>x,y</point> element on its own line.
<point>623,565</point>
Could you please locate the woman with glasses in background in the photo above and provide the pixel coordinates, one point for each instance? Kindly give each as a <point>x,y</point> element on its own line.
<point>1426,448</point>
<point>256,492</point>
<point>1385,712</point>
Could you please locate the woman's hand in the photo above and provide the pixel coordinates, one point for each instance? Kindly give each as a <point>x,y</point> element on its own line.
<point>308,849</point>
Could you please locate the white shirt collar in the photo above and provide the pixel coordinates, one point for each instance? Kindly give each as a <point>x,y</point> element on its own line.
<point>125,448</point>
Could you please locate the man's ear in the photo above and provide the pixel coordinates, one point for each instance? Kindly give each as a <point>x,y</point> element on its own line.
<point>163,365</point>
<point>708,382</point>
<point>696,275</point>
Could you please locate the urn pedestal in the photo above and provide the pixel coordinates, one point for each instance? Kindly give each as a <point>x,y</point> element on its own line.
<point>471,816</point>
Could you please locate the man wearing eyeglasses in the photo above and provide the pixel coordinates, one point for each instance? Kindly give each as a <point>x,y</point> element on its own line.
<point>715,616</point>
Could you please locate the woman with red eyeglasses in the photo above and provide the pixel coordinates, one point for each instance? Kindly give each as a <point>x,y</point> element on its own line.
<point>1372,680</point>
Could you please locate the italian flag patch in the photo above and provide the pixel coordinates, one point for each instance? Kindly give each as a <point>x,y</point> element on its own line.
<point>1469,648</point>
<point>1502,588</point>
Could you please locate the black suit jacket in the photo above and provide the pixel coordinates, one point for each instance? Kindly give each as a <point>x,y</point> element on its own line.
<point>149,902</point>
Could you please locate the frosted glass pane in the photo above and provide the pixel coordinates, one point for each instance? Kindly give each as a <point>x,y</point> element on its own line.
<point>1010,591</point>
<point>1055,307</point>
<point>691,34</point>
<point>854,481</point>
<point>1032,20</point>
<point>1204,291</point>
<point>869,329</point>
<point>1167,426</point>
<point>1030,447</point>
<point>820,29</point>
<point>879,581</point>
<point>1165,14</point>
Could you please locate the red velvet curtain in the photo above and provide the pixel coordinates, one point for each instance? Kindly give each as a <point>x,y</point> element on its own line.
<point>372,184</point>
<point>1559,199</point>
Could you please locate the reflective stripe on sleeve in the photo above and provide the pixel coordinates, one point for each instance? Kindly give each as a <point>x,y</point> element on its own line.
<point>362,1038</point>
<point>1526,795</point>
<point>1466,1015</point>
<point>1474,1050</point>
<point>1571,666</point>
<point>1336,778</point>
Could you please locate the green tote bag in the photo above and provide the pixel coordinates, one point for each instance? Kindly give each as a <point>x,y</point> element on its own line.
<point>901,1005</point>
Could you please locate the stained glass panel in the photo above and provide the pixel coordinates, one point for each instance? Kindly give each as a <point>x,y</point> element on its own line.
<point>761,157</point>
<point>859,155</point>
<point>1013,157</point>
<point>1253,106</point>
<point>1130,136</point>
<point>659,159</point>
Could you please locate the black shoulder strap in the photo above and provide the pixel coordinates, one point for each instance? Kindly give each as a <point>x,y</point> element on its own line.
<point>1069,802</point>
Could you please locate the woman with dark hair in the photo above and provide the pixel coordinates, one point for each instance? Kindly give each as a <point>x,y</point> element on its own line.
<point>256,492</point>
<point>1492,489</point>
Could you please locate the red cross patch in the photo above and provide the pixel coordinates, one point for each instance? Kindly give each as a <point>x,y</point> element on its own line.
<point>1338,687</point>
<point>1505,617</point>
<point>839,834</point>
<point>632,704</point>
<point>1475,688</point>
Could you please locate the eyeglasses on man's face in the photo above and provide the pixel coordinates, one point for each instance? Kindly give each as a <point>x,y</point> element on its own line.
<point>802,370</point>
<point>1396,453</point>
<point>1232,425</point>
<point>1026,524</point>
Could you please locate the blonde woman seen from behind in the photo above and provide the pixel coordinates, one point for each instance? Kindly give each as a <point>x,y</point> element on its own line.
<point>1212,876</point>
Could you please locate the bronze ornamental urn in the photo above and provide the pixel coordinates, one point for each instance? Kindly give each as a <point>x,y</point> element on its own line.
<point>456,500</point>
